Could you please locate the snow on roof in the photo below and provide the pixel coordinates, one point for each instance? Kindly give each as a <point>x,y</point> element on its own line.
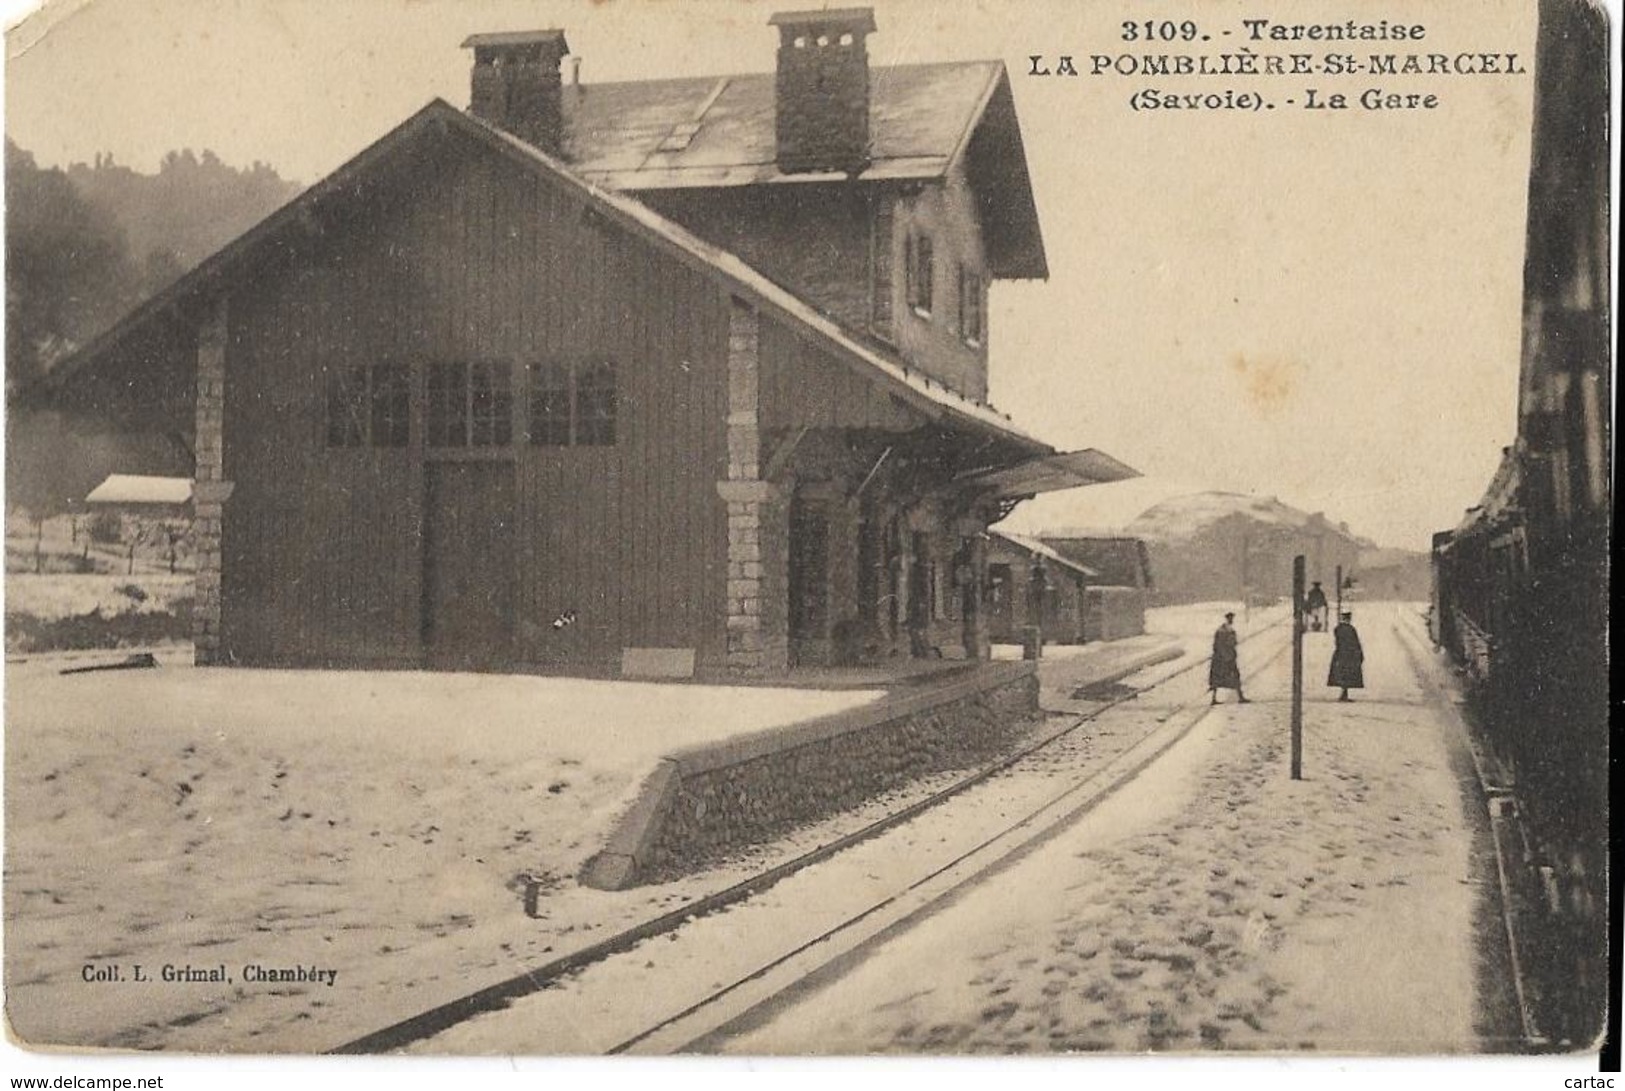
<point>918,117</point>
<point>438,114</point>
<point>1039,549</point>
<point>716,131</point>
<point>141,489</point>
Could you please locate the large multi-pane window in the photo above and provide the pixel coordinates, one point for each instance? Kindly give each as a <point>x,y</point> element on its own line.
<point>470,405</point>
<point>391,405</point>
<point>573,405</point>
<point>447,405</point>
<point>369,405</point>
<point>550,405</point>
<point>490,405</point>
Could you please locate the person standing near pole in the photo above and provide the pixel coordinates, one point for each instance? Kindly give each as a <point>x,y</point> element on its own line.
<point>1348,658</point>
<point>1224,671</point>
<point>1314,604</point>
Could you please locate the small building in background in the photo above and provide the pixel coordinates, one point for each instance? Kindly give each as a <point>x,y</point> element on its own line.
<point>1029,584</point>
<point>143,512</point>
<point>1114,605</point>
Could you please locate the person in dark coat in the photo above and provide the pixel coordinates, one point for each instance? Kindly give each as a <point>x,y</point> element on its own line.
<point>1224,672</point>
<point>1348,658</point>
<point>1314,604</point>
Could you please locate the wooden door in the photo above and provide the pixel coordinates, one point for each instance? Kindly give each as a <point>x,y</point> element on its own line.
<point>469,582</point>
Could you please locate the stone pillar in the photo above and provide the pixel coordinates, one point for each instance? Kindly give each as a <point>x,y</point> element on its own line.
<point>756,616</point>
<point>209,487</point>
<point>978,643</point>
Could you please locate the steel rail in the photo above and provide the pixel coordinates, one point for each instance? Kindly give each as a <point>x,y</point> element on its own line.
<point>427,1024</point>
<point>1494,796</point>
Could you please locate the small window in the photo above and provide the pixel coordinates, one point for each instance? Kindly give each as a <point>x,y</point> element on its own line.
<point>391,405</point>
<point>917,264</point>
<point>550,405</point>
<point>491,405</point>
<point>448,405</point>
<point>346,406</point>
<point>972,306</point>
<point>595,405</point>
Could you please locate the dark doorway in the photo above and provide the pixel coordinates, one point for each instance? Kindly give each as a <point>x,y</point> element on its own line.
<point>922,586</point>
<point>809,583</point>
<point>468,565</point>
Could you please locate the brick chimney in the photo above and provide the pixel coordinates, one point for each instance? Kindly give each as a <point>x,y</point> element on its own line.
<point>821,95</point>
<point>516,84</point>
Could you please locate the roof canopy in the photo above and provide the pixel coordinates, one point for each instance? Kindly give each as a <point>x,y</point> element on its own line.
<point>1049,473</point>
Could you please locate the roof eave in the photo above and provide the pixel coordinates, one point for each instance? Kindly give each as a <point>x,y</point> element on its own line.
<point>214,272</point>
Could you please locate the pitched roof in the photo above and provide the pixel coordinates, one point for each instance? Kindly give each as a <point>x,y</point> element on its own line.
<point>919,117</point>
<point>719,131</point>
<point>349,182</point>
<point>1038,549</point>
<point>1120,561</point>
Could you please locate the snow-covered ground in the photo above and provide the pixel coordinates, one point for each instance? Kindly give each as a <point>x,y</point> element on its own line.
<point>59,595</point>
<point>1214,904</point>
<point>372,823</point>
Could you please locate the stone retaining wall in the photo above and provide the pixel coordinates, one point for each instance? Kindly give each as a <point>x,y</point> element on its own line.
<point>705,801</point>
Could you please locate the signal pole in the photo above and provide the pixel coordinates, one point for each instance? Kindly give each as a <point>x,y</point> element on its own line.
<point>1297,667</point>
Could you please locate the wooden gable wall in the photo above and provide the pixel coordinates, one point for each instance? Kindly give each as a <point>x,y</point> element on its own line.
<point>466,256</point>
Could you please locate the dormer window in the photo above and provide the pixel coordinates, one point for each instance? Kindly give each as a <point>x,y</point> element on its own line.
<point>918,272</point>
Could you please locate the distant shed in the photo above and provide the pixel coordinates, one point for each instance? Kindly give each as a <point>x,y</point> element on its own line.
<point>1114,605</point>
<point>1030,584</point>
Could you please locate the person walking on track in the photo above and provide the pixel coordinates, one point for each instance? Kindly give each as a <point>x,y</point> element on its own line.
<point>1348,658</point>
<point>1224,672</point>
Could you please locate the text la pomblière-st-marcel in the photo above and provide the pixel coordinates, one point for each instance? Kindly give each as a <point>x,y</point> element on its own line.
<point>1247,61</point>
<point>252,973</point>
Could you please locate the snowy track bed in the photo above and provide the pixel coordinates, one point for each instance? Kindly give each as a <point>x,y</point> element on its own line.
<point>676,985</point>
<point>1213,904</point>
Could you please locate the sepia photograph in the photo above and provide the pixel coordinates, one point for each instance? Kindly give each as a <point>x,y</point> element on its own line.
<point>715,528</point>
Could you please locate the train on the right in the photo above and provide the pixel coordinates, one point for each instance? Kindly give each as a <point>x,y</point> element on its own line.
<point>1520,585</point>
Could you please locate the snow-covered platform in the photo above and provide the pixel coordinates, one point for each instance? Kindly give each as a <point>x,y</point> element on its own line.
<point>352,819</point>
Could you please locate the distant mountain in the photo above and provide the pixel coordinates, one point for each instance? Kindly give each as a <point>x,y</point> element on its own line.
<point>1181,518</point>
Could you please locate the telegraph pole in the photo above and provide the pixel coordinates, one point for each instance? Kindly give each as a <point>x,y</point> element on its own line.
<point>1297,667</point>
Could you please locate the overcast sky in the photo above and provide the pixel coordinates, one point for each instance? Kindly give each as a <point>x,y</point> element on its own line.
<point>1318,305</point>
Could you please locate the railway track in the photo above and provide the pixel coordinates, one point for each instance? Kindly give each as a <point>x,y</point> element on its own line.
<point>1500,814</point>
<point>731,1000</point>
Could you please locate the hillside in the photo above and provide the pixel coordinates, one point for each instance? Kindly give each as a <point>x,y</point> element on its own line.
<point>1212,545</point>
<point>1184,517</point>
<point>193,206</point>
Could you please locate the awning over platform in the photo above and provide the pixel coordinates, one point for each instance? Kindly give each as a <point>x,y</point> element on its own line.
<point>1048,473</point>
